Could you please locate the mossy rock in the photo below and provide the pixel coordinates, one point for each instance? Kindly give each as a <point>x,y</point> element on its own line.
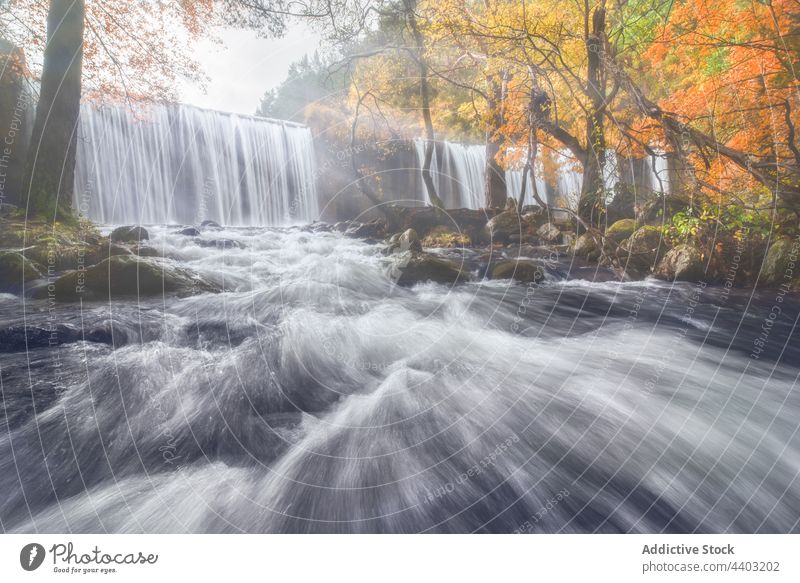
<point>780,264</point>
<point>53,245</point>
<point>125,276</point>
<point>587,246</point>
<point>131,234</point>
<point>643,250</point>
<point>15,270</point>
<point>412,268</point>
<point>518,270</point>
<point>621,230</point>
<point>505,227</point>
<point>682,263</point>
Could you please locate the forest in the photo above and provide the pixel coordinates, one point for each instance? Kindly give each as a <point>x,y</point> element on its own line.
<point>468,260</point>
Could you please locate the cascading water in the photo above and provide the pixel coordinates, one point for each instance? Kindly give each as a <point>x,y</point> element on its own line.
<point>163,163</point>
<point>458,172</point>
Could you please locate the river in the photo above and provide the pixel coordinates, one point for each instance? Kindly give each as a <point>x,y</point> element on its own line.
<point>317,396</point>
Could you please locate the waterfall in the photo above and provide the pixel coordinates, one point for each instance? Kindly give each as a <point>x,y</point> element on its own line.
<point>171,163</point>
<point>458,172</point>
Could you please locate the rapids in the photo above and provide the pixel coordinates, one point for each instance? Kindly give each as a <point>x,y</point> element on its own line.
<point>317,396</point>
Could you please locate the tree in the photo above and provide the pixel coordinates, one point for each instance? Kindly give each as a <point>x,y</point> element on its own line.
<point>100,50</point>
<point>51,159</point>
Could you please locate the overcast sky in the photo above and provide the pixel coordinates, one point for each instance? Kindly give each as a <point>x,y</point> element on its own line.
<point>243,67</point>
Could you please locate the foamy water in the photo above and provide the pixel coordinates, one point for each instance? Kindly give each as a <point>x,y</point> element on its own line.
<point>317,396</point>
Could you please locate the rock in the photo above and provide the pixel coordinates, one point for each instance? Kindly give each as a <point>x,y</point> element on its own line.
<point>219,243</point>
<point>504,226</point>
<point>341,226</point>
<point>129,276</point>
<point>129,235</point>
<point>587,246</point>
<point>189,232</point>
<point>642,250</point>
<point>549,233</point>
<point>373,230</point>
<point>15,270</point>
<point>417,267</point>
<point>780,264</point>
<point>409,241</point>
<point>536,217</point>
<point>210,225</point>
<point>621,230</point>
<point>682,263</point>
<point>518,270</point>
<point>426,219</point>
<point>147,252</point>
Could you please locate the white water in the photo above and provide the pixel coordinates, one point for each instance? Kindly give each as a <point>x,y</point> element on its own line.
<point>180,164</point>
<point>317,396</point>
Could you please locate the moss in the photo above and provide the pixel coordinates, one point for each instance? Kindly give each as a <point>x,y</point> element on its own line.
<point>57,245</point>
<point>16,270</point>
<point>621,230</point>
<point>130,276</point>
<point>524,271</point>
<point>444,237</point>
<point>780,263</point>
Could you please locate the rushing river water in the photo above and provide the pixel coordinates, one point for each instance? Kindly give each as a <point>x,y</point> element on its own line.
<point>320,397</point>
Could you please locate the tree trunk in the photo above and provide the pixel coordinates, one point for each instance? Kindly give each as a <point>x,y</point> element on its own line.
<point>495,185</point>
<point>410,7</point>
<point>590,206</point>
<point>50,169</point>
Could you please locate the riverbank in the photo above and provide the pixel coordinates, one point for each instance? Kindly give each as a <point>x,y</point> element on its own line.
<point>75,261</point>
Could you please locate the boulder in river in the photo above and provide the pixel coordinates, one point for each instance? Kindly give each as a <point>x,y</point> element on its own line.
<point>207,224</point>
<point>682,263</point>
<point>129,234</point>
<point>411,267</point>
<point>15,269</point>
<point>373,230</point>
<point>409,241</point>
<point>518,270</point>
<point>189,232</point>
<point>129,276</point>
